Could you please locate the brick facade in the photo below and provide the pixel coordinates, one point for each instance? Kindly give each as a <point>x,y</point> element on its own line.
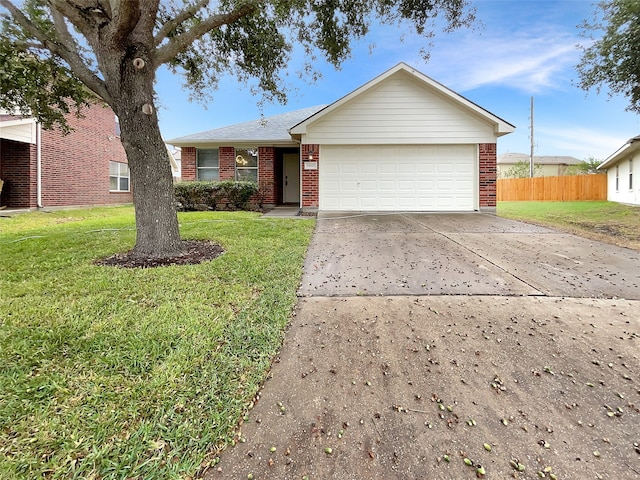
<point>268,169</point>
<point>488,174</point>
<point>188,165</point>
<point>74,167</point>
<point>310,198</point>
<point>18,170</point>
<point>227,158</point>
<point>267,175</point>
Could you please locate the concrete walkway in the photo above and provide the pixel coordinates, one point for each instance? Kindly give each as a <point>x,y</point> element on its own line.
<point>283,211</point>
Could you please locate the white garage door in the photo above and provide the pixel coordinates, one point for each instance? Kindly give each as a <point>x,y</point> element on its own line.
<point>398,177</point>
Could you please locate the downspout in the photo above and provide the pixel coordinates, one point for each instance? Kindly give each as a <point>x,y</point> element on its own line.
<point>38,165</point>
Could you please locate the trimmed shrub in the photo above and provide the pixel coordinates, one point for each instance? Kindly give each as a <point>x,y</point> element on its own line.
<point>210,195</point>
<point>238,193</point>
<point>197,195</point>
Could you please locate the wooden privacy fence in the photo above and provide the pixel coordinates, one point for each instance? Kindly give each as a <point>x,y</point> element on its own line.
<point>567,188</point>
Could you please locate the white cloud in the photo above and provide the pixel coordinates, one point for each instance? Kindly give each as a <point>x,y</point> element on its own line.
<point>523,61</point>
<point>584,142</point>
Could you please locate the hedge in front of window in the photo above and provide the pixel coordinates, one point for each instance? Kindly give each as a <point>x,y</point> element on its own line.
<point>192,196</point>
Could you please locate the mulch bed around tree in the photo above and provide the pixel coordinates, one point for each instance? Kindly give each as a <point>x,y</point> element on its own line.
<point>194,252</point>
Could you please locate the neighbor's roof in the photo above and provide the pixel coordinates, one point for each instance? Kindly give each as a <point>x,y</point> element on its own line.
<point>510,158</point>
<point>273,129</point>
<point>631,146</point>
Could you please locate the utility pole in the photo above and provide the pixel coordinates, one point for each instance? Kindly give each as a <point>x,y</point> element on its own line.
<point>531,154</point>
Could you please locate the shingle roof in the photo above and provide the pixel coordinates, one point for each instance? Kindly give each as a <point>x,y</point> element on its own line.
<point>271,129</point>
<point>538,159</point>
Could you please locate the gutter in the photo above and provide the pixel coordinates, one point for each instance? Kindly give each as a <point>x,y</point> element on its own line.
<point>38,165</point>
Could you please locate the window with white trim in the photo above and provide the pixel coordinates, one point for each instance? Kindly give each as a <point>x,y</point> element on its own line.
<point>118,177</point>
<point>247,164</point>
<point>631,174</point>
<point>617,178</point>
<point>207,164</point>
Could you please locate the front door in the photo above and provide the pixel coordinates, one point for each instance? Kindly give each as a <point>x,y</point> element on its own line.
<point>291,178</point>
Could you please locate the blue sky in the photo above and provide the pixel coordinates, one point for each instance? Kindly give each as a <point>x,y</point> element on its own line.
<point>523,49</point>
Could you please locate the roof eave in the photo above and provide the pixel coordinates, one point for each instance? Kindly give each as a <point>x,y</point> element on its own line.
<point>631,146</point>
<point>177,142</point>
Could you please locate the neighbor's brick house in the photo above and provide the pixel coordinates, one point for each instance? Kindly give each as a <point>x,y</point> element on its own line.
<point>400,142</point>
<point>86,167</point>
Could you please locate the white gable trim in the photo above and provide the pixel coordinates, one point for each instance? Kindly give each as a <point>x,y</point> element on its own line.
<point>501,127</point>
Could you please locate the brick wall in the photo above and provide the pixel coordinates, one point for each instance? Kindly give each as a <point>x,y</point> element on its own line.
<point>188,164</point>
<point>75,167</point>
<point>227,156</point>
<point>18,170</point>
<point>310,153</point>
<point>488,174</point>
<point>266,174</point>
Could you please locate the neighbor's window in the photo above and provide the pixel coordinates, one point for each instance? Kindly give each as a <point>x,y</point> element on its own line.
<point>617,177</point>
<point>247,164</point>
<point>118,177</point>
<point>208,164</point>
<point>631,174</point>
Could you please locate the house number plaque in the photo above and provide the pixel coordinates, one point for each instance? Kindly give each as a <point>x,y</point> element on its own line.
<point>310,165</point>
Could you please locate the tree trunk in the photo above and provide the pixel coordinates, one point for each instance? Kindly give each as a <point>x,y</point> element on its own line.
<point>158,234</point>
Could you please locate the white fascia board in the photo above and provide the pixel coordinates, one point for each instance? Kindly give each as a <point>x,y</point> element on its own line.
<point>631,146</point>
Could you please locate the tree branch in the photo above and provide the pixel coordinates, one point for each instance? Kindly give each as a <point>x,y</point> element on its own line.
<point>73,59</point>
<point>125,16</point>
<point>180,43</point>
<point>174,22</point>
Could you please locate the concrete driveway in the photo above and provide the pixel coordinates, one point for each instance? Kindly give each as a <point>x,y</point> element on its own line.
<point>461,254</point>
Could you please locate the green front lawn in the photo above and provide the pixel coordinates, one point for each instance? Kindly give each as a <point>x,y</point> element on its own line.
<point>607,221</point>
<point>134,373</point>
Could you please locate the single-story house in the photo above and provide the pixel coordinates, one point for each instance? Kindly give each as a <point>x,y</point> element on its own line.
<point>545,165</point>
<point>400,142</point>
<point>623,173</point>
<point>44,168</point>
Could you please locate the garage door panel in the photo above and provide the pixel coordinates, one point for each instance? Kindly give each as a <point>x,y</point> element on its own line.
<point>425,168</point>
<point>387,185</point>
<point>348,168</point>
<point>398,178</point>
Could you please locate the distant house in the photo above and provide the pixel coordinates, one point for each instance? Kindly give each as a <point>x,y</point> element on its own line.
<point>545,165</point>
<point>44,168</point>
<point>402,141</point>
<point>623,173</point>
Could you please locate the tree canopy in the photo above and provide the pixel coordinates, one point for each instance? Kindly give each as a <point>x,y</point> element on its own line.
<point>612,59</point>
<point>51,50</point>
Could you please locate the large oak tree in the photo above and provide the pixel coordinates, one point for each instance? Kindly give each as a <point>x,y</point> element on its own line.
<point>53,50</point>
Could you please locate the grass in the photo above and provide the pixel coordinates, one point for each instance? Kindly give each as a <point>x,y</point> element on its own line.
<point>606,221</point>
<point>135,373</point>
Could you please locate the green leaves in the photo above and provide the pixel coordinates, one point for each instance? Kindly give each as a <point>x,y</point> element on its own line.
<point>613,59</point>
<point>31,85</point>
